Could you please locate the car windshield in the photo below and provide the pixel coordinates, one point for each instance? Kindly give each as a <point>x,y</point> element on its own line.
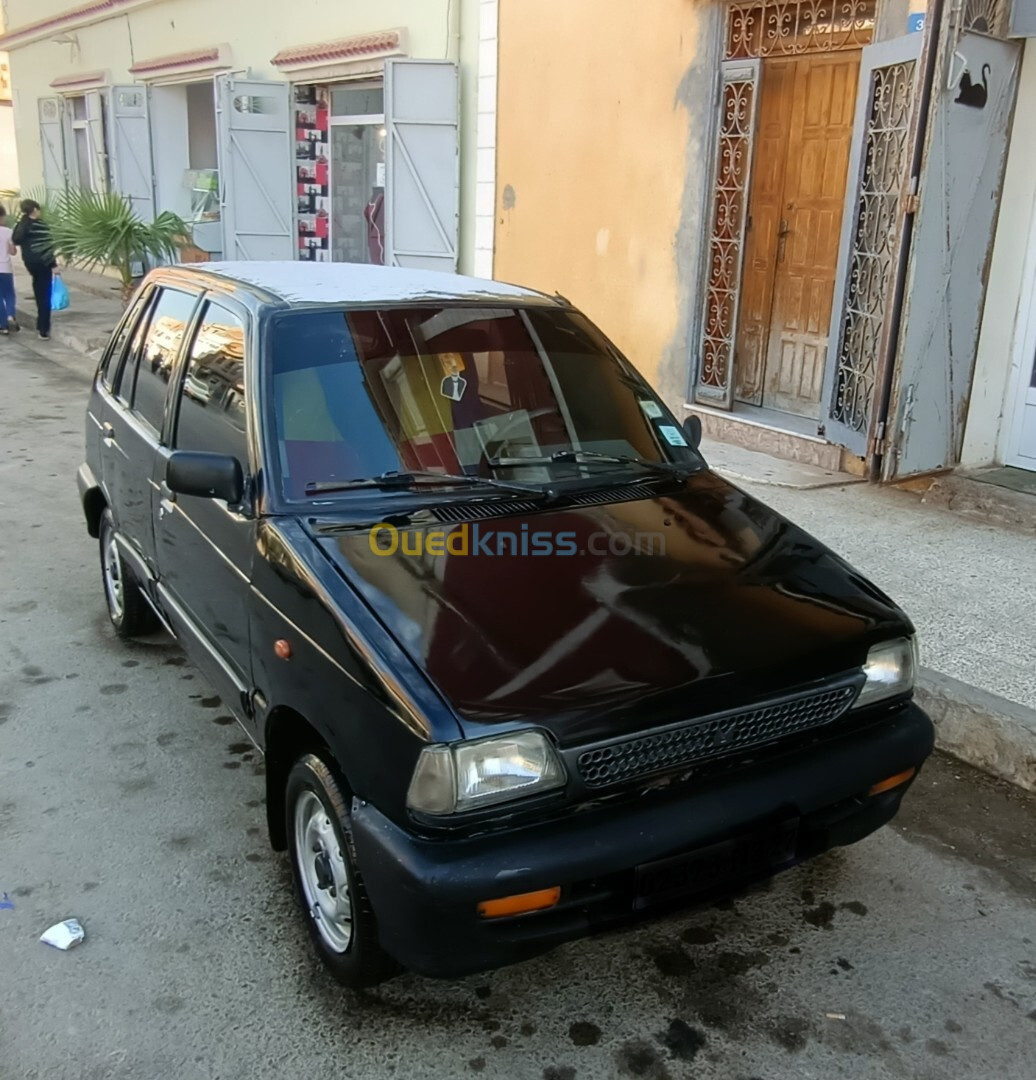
<point>526,395</point>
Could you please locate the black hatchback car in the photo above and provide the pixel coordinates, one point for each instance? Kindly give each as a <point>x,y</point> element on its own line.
<point>521,665</point>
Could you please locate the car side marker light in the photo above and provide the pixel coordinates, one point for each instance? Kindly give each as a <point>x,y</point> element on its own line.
<point>520,903</point>
<point>892,782</point>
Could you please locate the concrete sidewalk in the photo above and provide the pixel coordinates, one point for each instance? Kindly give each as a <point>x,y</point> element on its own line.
<point>969,586</point>
<point>94,309</point>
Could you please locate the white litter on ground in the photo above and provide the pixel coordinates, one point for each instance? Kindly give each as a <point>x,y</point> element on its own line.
<point>64,935</point>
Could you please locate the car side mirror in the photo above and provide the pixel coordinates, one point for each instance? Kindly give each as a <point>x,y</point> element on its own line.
<point>208,476</point>
<point>692,431</point>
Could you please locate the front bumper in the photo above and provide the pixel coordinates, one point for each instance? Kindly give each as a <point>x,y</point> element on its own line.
<point>425,892</point>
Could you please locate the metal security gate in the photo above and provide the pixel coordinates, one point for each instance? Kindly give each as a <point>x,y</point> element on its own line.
<point>422,191</point>
<point>129,148</point>
<point>255,164</point>
<point>968,127</point>
<point>879,173</point>
<point>739,102</point>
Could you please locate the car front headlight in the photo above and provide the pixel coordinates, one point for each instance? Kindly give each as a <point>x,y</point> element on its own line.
<point>470,775</point>
<point>889,670</point>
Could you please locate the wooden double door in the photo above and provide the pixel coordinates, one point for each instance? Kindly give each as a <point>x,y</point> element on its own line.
<point>795,205</point>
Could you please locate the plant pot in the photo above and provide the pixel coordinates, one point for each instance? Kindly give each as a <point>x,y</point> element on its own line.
<point>128,289</point>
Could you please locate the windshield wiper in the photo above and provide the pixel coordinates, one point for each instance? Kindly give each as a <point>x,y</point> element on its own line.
<point>592,457</point>
<point>416,477</point>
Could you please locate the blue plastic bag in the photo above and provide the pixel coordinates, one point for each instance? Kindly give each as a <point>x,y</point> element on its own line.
<point>58,294</point>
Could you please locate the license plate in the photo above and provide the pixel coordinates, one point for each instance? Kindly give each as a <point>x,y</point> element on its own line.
<point>710,867</point>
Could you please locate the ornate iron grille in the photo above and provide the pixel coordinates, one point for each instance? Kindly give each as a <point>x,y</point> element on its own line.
<point>782,28</point>
<point>984,17</point>
<point>874,244</point>
<point>726,237</point>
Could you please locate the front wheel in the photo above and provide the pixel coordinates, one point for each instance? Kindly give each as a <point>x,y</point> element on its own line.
<point>328,883</point>
<point>130,613</point>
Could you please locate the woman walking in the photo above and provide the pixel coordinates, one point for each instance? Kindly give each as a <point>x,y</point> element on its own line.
<point>8,321</point>
<point>32,235</point>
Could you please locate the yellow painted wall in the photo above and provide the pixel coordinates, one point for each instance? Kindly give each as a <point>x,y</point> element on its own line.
<point>255,30</point>
<point>592,164</point>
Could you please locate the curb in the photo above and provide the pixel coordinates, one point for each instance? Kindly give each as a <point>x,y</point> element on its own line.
<point>90,347</point>
<point>990,732</point>
<point>983,502</point>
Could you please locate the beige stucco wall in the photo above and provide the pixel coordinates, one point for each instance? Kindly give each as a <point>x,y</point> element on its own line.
<point>256,30</point>
<point>601,135</point>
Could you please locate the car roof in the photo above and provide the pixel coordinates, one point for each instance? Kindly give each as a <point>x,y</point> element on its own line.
<point>343,283</point>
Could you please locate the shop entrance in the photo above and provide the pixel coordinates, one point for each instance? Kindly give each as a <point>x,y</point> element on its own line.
<point>340,173</point>
<point>795,203</point>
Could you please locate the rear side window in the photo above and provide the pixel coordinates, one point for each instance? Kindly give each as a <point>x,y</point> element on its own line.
<point>157,358</point>
<point>113,357</point>
<point>212,397</point>
<point>125,372</point>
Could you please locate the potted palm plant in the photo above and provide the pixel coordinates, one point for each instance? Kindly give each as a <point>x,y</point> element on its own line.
<point>94,228</point>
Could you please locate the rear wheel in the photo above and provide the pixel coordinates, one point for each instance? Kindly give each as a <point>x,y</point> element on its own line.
<point>328,882</point>
<point>130,613</point>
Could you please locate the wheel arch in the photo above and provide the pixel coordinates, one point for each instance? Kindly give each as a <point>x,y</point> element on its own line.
<point>289,735</point>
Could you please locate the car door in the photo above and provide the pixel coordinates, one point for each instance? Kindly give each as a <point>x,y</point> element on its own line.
<point>99,431</point>
<point>137,419</point>
<point>204,547</point>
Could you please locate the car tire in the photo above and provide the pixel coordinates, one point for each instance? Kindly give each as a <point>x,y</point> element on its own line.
<point>328,882</point>
<point>130,613</point>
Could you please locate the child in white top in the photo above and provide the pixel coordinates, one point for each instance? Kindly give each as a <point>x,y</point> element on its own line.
<point>7,301</point>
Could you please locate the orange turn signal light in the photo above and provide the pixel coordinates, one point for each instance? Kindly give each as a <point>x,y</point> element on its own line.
<point>892,782</point>
<point>520,903</point>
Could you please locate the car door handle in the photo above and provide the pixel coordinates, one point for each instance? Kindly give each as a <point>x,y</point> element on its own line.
<point>107,434</point>
<point>166,500</point>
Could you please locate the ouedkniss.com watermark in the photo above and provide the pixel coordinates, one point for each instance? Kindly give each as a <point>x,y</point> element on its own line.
<point>475,540</point>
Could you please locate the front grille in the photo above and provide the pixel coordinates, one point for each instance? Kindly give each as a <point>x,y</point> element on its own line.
<point>710,737</point>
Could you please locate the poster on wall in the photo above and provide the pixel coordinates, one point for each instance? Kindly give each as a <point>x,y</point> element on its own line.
<point>312,172</point>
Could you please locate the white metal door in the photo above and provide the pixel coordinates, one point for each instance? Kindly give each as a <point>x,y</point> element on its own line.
<point>96,140</point>
<point>255,163</point>
<point>52,143</point>
<point>422,183</point>
<point>1022,451</point>
<point>129,148</point>
<point>969,122</point>
<point>1021,419</point>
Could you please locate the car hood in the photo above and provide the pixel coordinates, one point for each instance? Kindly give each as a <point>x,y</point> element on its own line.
<point>721,601</point>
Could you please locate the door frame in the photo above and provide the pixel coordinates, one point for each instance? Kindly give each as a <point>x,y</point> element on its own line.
<point>742,44</point>
<point>771,363</point>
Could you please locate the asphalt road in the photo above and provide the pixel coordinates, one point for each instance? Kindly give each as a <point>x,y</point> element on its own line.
<point>130,801</point>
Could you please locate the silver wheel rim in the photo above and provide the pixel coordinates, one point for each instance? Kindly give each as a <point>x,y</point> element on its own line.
<point>321,865</point>
<point>113,583</point>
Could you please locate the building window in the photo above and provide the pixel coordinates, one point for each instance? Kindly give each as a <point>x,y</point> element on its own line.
<point>86,127</point>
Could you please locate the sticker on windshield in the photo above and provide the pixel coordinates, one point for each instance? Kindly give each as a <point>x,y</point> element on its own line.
<point>672,435</point>
<point>453,385</point>
<point>651,409</point>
